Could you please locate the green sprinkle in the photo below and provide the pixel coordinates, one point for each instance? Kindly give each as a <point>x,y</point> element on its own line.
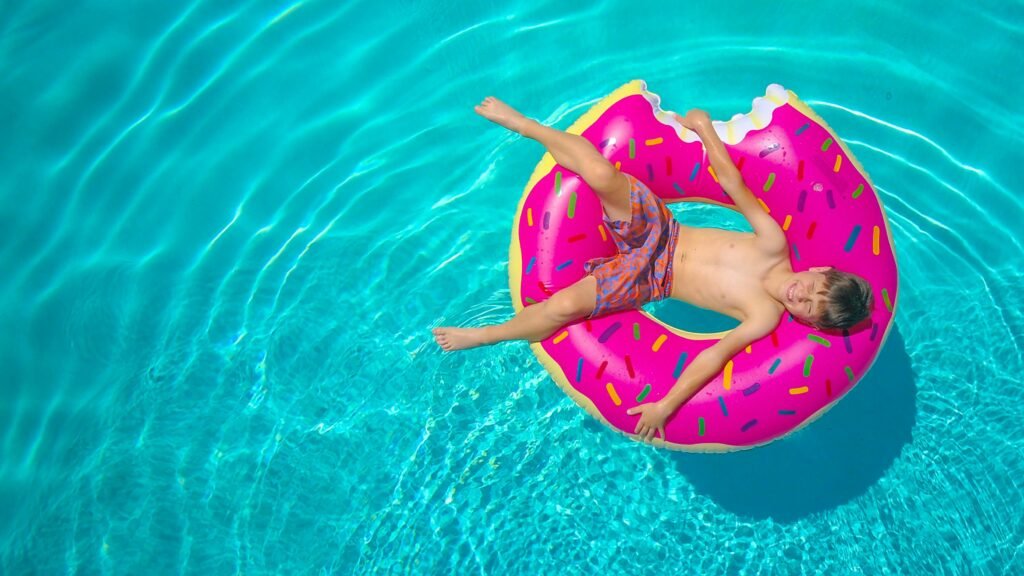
<point>819,340</point>
<point>530,300</point>
<point>849,373</point>
<point>807,365</point>
<point>700,426</point>
<point>643,393</point>
<point>632,148</point>
<point>858,191</point>
<point>769,182</point>
<point>885,296</point>
<point>558,183</point>
<point>636,330</point>
<point>826,144</point>
<point>572,205</point>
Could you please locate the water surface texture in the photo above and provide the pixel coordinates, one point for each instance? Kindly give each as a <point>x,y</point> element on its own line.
<point>227,229</point>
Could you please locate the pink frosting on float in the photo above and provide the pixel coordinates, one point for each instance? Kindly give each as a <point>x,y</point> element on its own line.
<point>811,186</point>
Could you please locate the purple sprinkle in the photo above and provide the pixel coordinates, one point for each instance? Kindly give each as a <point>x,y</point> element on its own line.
<point>608,332</point>
<point>605,142</point>
<point>650,173</point>
<point>547,220</point>
<point>751,389</point>
<point>768,150</point>
<point>846,340</point>
<point>831,201</point>
<point>874,331</point>
<point>800,201</point>
<point>748,425</point>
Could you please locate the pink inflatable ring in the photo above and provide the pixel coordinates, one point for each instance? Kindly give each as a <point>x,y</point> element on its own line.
<point>805,177</point>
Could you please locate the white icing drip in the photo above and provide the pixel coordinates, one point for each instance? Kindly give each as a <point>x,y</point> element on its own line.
<point>736,129</point>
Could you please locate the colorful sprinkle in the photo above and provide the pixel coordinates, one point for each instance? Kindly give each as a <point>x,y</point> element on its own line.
<point>748,425</point>
<point>819,340</point>
<point>801,129</point>
<point>650,173</point>
<point>748,349</point>
<point>727,376</point>
<point>775,365</point>
<point>828,198</point>
<point>589,326</point>
<point>700,426</point>
<point>828,387</point>
<point>800,171</point>
<point>679,365</point>
<point>810,230</point>
<point>530,300</point>
<point>614,395</point>
<point>775,339</point>
<point>558,183</point>
<point>789,220</point>
<point>572,205</point>
<point>796,251</point>
<point>618,165</point>
<point>853,238</point>
<point>544,288</point>
<point>576,238</point>
<point>751,389</point>
<point>632,148</point>
<point>608,332</point>
<point>653,141</point>
<point>885,297</point>
<point>678,188</point>
<point>858,191</point>
<point>849,373</point>
<point>668,165</point>
<point>600,228</point>
<point>798,391</point>
<point>768,150</point>
<point>839,162</point>
<point>600,369</point>
<point>713,175</point>
<point>563,265</point>
<point>560,337</point>
<point>547,220</point>
<point>739,165</point>
<point>765,206</point>
<point>800,201</point>
<point>768,183</point>
<point>721,403</point>
<point>529,265</point>
<point>579,370</point>
<point>846,341</point>
<point>636,330</point>
<point>629,366</point>
<point>874,331</point>
<point>874,240</point>
<point>529,217</point>
<point>643,393</point>
<point>696,169</point>
<point>606,142</point>
<point>657,343</point>
<point>826,145</point>
<point>808,362</point>
<point>787,412</point>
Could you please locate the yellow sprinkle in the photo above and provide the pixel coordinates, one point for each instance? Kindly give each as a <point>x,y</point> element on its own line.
<point>562,336</point>
<point>749,349</point>
<point>618,165</point>
<point>613,394</point>
<point>789,220</point>
<point>654,141</point>
<point>713,175</point>
<point>765,206</point>
<point>727,376</point>
<point>604,237</point>
<point>798,391</point>
<point>839,162</point>
<point>529,216</point>
<point>657,343</point>
<point>874,241</point>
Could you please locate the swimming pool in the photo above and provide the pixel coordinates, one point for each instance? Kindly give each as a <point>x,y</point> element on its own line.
<point>227,231</point>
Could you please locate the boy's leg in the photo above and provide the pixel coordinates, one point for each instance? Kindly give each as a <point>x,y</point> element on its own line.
<point>534,323</point>
<point>570,151</point>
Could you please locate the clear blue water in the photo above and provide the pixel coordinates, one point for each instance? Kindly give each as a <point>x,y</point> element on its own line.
<point>228,228</point>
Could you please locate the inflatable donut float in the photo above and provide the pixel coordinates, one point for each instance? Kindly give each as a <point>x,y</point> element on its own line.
<point>807,180</point>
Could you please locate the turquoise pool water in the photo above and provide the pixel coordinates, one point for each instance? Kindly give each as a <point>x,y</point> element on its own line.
<point>227,230</point>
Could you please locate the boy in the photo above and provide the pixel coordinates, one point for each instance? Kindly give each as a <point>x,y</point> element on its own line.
<point>745,276</point>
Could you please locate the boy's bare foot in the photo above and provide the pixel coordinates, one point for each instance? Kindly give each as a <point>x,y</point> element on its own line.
<point>451,339</point>
<point>502,114</point>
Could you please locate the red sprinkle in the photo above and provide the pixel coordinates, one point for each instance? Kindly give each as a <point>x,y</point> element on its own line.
<point>600,370</point>
<point>800,170</point>
<point>810,230</point>
<point>544,288</point>
<point>775,340</point>
<point>739,165</point>
<point>668,165</point>
<point>629,366</point>
<point>587,323</point>
<point>828,387</point>
<point>577,237</point>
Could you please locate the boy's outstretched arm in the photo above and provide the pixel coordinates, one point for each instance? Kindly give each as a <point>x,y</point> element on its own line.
<point>704,367</point>
<point>765,228</point>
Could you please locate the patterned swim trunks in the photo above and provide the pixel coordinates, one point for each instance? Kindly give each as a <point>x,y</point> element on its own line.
<point>642,270</point>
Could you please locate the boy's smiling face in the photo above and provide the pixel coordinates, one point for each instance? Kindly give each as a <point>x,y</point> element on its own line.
<point>804,295</point>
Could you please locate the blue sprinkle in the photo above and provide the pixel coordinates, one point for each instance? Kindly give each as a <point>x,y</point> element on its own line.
<point>751,389</point>
<point>775,365</point>
<point>679,365</point>
<point>795,251</point>
<point>787,412</point>
<point>608,332</point>
<point>529,266</point>
<point>853,238</point>
<point>696,169</point>
<point>563,264</point>
<point>721,402</point>
<point>579,370</point>
<point>748,425</point>
<point>678,189</point>
<point>801,129</point>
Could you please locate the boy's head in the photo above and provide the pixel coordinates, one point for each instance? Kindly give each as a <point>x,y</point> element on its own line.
<point>827,298</point>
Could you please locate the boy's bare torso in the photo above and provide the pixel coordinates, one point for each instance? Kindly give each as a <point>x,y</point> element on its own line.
<point>724,271</point>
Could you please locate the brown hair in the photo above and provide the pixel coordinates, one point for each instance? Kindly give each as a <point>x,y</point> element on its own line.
<point>848,302</point>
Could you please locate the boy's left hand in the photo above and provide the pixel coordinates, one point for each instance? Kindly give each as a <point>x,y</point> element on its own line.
<point>652,419</point>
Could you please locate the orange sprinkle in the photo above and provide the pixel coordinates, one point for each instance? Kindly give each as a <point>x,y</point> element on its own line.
<point>615,395</point>
<point>657,343</point>
<point>839,162</point>
<point>798,391</point>
<point>727,376</point>
<point>653,141</point>
<point>789,220</point>
<point>562,336</point>
<point>713,175</point>
<point>618,165</point>
<point>603,236</point>
<point>765,206</point>
<point>529,216</point>
<point>874,241</point>
<point>749,350</point>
